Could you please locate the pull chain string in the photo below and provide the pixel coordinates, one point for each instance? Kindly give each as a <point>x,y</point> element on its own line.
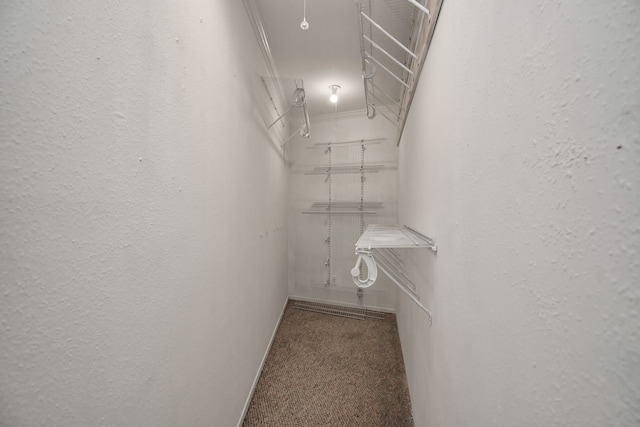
<point>304,24</point>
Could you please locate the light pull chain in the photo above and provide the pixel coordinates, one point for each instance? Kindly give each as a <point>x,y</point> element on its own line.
<point>304,24</point>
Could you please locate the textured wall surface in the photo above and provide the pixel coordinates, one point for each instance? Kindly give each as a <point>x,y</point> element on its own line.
<point>142,221</point>
<point>521,157</point>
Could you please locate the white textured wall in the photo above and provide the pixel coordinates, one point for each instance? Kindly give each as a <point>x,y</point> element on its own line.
<point>521,157</point>
<point>142,221</point>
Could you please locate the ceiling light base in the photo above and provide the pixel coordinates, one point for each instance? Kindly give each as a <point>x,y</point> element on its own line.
<point>334,93</point>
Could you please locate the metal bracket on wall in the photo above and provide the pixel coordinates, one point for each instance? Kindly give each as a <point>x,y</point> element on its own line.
<point>376,248</point>
<point>287,96</point>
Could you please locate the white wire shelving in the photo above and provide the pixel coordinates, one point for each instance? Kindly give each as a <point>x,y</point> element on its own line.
<point>394,40</point>
<point>344,169</point>
<point>377,248</point>
<point>345,208</point>
<point>289,102</point>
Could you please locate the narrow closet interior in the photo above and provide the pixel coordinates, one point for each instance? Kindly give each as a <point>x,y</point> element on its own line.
<point>338,119</point>
<point>181,182</point>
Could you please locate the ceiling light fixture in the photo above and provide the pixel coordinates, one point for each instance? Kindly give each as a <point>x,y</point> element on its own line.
<point>304,24</point>
<point>334,95</point>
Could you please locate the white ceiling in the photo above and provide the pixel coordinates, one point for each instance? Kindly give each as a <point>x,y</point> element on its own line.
<point>327,53</point>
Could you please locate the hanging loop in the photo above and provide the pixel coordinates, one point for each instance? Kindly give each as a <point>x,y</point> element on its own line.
<point>369,69</point>
<point>371,111</point>
<point>372,271</point>
<point>298,97</point>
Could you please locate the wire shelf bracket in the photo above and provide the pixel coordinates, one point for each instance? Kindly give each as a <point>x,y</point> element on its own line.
<point>376,248</point>
<point>288,96</point>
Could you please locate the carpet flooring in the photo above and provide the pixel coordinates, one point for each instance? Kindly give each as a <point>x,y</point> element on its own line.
<point>325,370</point>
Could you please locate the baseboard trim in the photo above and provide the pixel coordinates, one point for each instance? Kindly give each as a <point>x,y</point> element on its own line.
<point>262,362</point>
<point>342,304</point>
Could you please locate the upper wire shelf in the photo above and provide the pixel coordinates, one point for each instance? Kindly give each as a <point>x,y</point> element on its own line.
<point>394,39</point>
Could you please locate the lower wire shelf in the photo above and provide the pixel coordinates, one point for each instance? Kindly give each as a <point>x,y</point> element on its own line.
<point>377,247</point>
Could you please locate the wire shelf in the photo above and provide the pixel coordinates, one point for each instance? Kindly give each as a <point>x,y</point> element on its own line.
<point>394,39</point>
<point>376,248</point>
<point>345,208</point>
<point>385,236</point>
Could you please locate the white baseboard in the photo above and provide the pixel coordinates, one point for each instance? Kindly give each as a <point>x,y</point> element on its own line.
<point>264,359</point>
<point>342,304</point>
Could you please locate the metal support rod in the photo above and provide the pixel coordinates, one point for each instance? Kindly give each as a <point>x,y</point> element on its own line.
<point>387,95</point>
<point>307,124</point>
<point>386,106</point>
<point>410,237</point>
<point>292,135</point>
<point>382,255</point>
<point>403,289</point>
<point>433,246</point>
<point>393,122</point>
<point>421,7</point>
<point>281,116</point>
<point>377,46</point>
<point>388,71</point>
<point>395,256</point>
<point>362,51</point>
<point>375,24</point>
<point>419,32</point>
<point>417,37</point>
<point>401,274</point>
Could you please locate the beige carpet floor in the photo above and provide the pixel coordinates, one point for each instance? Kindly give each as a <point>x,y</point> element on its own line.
<point>324,370</point>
